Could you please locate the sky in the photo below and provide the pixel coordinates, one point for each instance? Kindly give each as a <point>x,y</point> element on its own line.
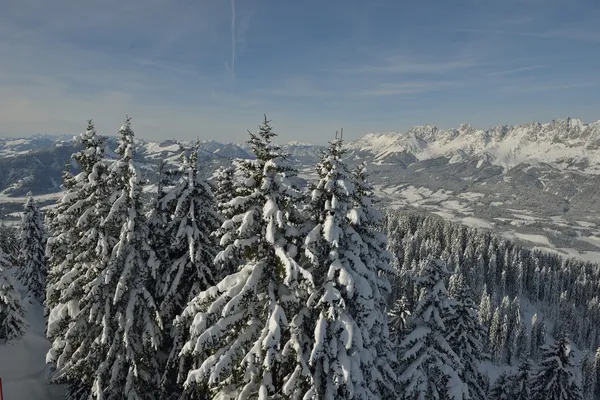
<point>210,69</point>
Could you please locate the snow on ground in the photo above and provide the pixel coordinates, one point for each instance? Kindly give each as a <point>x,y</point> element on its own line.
<point>472,196</point>
<point>23,366</point>
<point>42,197</point>
<point>477,223</point>
<point>534,238</point>
<point>595,240</point>
<point>455,205</point>
<point>586,224</point>
<point>591,256</point>
<point>445,214</point>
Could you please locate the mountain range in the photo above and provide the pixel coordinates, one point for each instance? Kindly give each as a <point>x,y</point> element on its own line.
<point>536,182</point>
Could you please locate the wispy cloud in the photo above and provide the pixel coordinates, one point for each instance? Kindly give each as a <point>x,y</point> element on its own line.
<point>404,65</point>
<point>571,33</point>
<point>408,88</point>
<point>545,87</point>
<point>516,70</point>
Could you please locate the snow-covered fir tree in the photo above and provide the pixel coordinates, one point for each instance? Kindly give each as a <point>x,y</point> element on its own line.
<point>465,336</point>
<point>497,337</point>
<point>12,313</point>
<point>555,376</point>
<point>225,191</point>
<point>32,270</point>
<point>192,248</point>
<point>588,377</point>
<point>538,335</point>
<point>501,389</point>
<point>367,221</point>
<point>64,221</point>
<point>520,382</point>
<point>109,347</point>
<point>191,253</point>
<point>247,336</point>
<point>429,368</point>
<point>521,340</point>
<point>161,213</point>
<point>399,319</point>
<point>347,254</point>
<point>76,250</point>
<point>225,188</point>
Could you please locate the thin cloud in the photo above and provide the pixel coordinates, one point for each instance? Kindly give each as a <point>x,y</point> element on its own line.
<point>535,88</point>
<point>573,33</point>
<point>516,70</point>
<point>400,65</point>
<point>397,89</point>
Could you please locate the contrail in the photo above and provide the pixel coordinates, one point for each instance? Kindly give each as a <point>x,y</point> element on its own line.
<point>233,35</point>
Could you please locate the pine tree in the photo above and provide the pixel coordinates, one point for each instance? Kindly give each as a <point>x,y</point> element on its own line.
<point>588,377</point>
<point>226,189</point>
<point>109,347</point>
<point>32,259</point>
<point>12,314</point>
<point>160,216</point>
<point>191,253</point>
<point>538,335</point>
<point>63,221</point>
<point>521,340</point>
<point>76,252</point>
<point>501,389</point>
<point>555,378</point>
<point>429,368</point>
<point>497,338</point>
<point>485,314</point>
<point>60,226</point>
<point>367,221</point>
<point>398,315</point>
<point>247,336</point>
<point>520,382</point>
<point>465,337</point>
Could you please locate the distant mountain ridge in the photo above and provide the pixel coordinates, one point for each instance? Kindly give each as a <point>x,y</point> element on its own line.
<point>537,182</point>
<point>567,144</point>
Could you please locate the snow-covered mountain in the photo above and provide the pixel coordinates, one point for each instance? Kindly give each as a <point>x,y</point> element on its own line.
<point>518,180</point>
<point>568,144</point>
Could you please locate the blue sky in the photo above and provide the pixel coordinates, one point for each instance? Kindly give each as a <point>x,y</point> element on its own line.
<point>211,68</point>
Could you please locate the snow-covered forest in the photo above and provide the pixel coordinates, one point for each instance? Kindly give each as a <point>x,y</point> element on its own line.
<point>256,284</point>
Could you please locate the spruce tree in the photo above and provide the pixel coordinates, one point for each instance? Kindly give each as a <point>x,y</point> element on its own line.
<point>12,313</point>
<point>429,368</point>
<point>538,335</point>
<point>367,221</point>
<point>77,252</point>
<point>399,319</point>
<point>32,269</point>
<point>226,191</point>
<point>191,253</point>
<point>520,382</point>
<point>109,347</point>
<point>497,339</point>
<point>555,377</point>
<point>247,336</point>
<point>160,215</point>
<point>465,337</point>
<point>521,340</point>
<point>501,389</point>
<point>588,377</point>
